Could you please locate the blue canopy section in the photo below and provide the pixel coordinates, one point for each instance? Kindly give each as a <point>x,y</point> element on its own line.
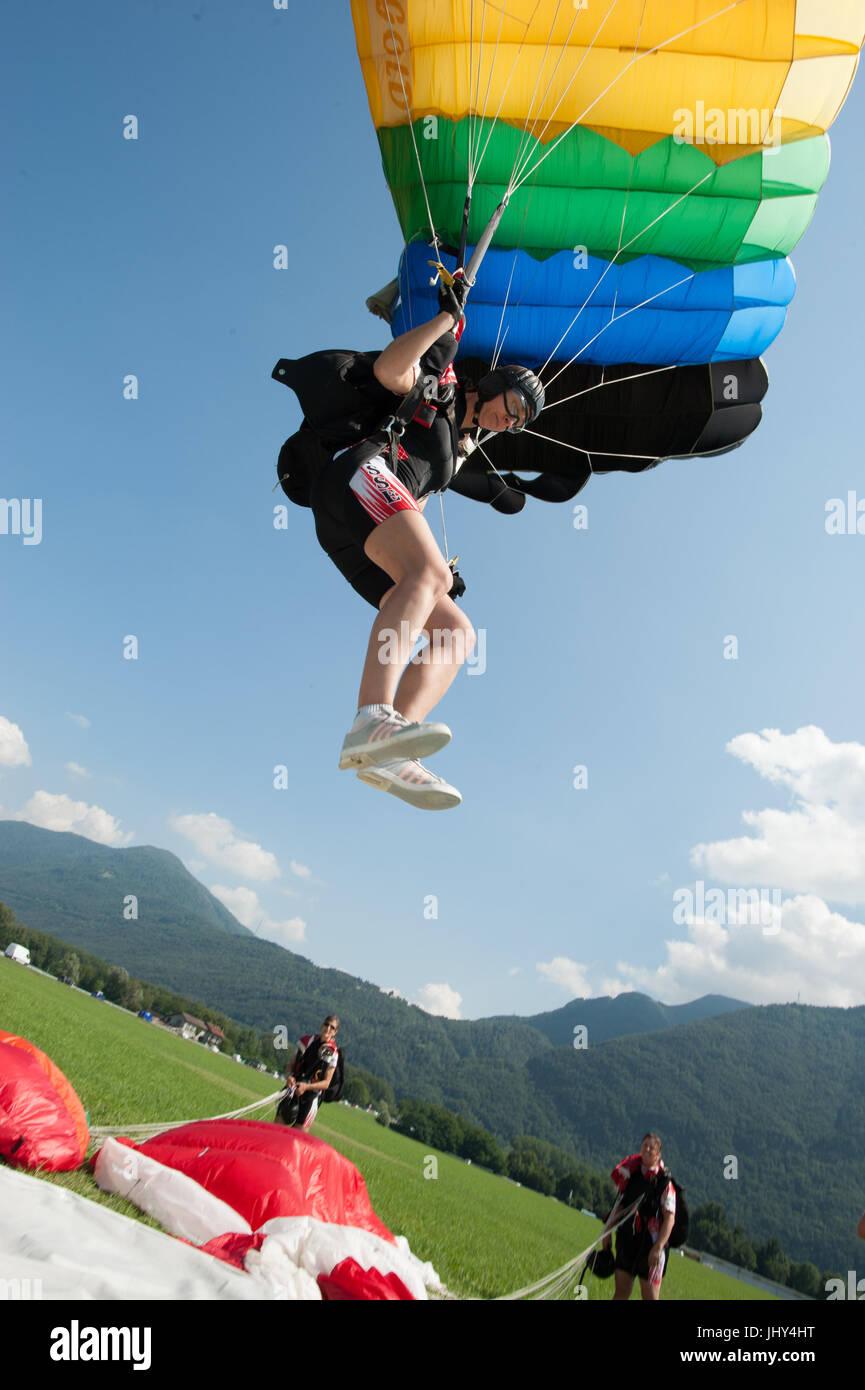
<point>650,310</point>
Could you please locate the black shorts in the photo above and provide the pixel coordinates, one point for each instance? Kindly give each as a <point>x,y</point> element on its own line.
<point>632,1255</point>
<point>349,497</point>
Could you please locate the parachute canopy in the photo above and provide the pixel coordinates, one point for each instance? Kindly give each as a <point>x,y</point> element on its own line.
<point>277,1202</point>
<point>623,71</point>
<point>263,1170</point>
<point>58,1245</point>
<point>651,166</point>
<point>640,417</point>
<point>650,310</point>
<point>42,1121</point>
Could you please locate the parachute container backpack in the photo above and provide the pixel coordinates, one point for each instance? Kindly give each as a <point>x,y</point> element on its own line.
<point>682,1223</point>
<point>646,170</point>
<point>342,402</point>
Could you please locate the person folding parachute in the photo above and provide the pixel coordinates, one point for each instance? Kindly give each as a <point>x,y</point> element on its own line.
<point>315,1073</point>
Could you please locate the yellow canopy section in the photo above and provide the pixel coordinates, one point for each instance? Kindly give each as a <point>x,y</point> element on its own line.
<point>729,75</point>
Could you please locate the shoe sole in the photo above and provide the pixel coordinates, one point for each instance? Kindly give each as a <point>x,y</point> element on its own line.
<point>430,800</point>
<point>410,746</point>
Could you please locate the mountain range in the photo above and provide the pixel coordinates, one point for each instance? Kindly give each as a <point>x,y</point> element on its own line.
<point>761,1108</point>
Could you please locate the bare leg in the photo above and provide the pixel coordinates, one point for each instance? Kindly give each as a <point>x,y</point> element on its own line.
<point>624,1284</point>
<point>427,679</point>
<point>404,547</point>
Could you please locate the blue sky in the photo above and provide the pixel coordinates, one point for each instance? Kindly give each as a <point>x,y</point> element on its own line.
<point>603,647</point>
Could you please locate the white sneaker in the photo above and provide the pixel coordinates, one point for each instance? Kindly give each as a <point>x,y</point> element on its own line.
<point>380,739</point>
<point>412,782</point>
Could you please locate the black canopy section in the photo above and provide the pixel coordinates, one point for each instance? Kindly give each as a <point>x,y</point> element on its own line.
<point>626,418</point>
<point>621,419</point>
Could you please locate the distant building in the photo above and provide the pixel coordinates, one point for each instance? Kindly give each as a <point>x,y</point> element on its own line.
<point>187,1026</point>
<point>190,1027</point>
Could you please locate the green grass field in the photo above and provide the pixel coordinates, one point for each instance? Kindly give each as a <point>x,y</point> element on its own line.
<point>485,1236</point>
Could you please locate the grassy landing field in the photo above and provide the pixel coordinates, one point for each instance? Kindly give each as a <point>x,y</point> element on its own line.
<point>485,1236</point>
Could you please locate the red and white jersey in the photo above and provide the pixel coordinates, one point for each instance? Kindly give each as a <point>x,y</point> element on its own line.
<point>621,1176</point>
<point>315,1068</point>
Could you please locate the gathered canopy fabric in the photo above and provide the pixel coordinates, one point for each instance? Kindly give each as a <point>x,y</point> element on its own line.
<point>42,1122</point>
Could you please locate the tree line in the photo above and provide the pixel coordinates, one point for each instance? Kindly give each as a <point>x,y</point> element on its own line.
<point>545,1168</point>
<point>88,972</point>
<point>534,1163</point>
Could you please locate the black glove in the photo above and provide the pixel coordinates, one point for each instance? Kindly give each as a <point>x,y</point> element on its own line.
<point>452,298</point>
<point>458,587</point>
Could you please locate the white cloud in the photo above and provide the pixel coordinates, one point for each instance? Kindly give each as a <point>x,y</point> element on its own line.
<point>79,719</point>
<point>245,906</point>
<point>286,933</point>
<point>817,847</point>
<point>60,812</point>
<point>219,842</point>
<point>76,770</point>
<point>13,745</point>
<point>300,869</point>
<point>612,988</point>
<point>242,902</point>
<point>815,953</point>
<point>568,974</point>
<point>805,857</point>
<point>440,1000</point>
<point>515,970</point>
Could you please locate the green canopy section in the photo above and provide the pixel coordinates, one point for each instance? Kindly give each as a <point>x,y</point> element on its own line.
<point>670,200</point>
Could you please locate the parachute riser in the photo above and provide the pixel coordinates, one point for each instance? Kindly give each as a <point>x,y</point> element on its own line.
<point>461,254</point>
<point>394,426</point>
<point>483,245</point>
<point>471,270</point>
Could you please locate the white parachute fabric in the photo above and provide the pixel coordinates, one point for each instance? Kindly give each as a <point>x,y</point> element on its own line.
<point>180,1204</point>
<point>55,1244</point>
<point>318,1247</point>
<point>295,1248</point>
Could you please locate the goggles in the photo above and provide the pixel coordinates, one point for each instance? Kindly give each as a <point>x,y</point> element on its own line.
<point>517,409</point>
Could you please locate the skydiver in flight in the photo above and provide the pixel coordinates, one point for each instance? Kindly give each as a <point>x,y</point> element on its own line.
<point>368,508</point>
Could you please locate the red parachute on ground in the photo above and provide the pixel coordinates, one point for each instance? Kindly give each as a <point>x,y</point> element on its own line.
<point>264,1170</point>
<point>275,1201</point>
<point>42,1121</point>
